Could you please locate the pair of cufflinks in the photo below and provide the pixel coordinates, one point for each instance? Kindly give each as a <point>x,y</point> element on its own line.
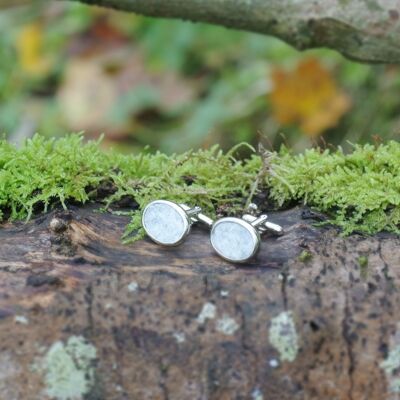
<point>234,239</point>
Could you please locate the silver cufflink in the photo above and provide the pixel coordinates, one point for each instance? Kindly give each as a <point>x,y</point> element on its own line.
<point>168,223</point>
<point>238,239</point>
<point>234,239</point>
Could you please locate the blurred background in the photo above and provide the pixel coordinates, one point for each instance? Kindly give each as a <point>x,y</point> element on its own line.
<point>175,85</point>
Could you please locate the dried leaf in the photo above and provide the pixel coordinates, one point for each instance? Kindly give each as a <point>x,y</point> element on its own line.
<point>308,96</point>
<point>29,46</point>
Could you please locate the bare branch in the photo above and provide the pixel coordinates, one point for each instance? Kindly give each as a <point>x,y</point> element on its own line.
<point>365,30</point>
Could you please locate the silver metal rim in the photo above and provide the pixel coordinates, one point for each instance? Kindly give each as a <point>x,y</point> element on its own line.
<point>253,232</point>
<point>180,211</point>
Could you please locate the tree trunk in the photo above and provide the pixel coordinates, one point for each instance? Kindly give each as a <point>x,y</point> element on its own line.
<point>365,30</point>
<point>82,316</point>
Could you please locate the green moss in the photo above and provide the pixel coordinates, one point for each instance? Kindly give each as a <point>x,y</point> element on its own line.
<point>359,191</point>
<point>44,171</point>
<point>305,256</point>
<point>363,263</point>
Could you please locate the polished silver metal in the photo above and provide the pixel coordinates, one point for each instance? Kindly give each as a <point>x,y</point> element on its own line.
<point>234,239</point>
<point>198,217</point>
<point>168,223</point>
<point>265,225</point>
<point>238,239</point>
<point>250,216</point>
<point>252,209</point>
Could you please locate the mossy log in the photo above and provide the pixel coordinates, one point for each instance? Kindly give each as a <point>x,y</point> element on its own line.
<point>82,316</point>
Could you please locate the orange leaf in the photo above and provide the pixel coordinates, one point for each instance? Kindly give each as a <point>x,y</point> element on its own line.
<point>308,96</point>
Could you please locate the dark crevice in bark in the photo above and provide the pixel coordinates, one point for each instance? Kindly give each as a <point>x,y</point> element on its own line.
<point>89,308</point>
<point>284,277</point>
<point>163,385</point>
<point>346,329</point>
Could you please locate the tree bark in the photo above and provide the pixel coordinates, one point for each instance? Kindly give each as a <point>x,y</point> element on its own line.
<point>365,30</point>
<point>83,316</point>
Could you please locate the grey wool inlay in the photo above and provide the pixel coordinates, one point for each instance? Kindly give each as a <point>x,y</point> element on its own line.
<point>233,241</point>
<point>164,224</point>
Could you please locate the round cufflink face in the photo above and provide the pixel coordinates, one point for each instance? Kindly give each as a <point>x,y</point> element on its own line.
<point>234,240</point>
<point>165,222</point>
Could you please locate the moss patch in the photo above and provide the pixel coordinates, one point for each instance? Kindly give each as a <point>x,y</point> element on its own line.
<point>358,191</point>
<point>363,263</point>
<point>305,256</point>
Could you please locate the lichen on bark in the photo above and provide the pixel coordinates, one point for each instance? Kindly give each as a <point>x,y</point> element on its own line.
<point>68,369</point>
<point>283,336</point>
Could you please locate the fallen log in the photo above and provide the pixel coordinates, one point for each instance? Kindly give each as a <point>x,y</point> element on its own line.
<point>83,316</point>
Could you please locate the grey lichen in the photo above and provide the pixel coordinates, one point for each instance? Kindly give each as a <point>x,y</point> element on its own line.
<point>391,364</point>
<point>207,312</point>
<point>69,369</point>
<point>133,286</point>
<point>256,394</point>
<point>180,337</point>
<point>224,293</point>
<point>226,325</point>
<point>283,336</point>
<point>273,363</point>
<point>10,371</point>
<point>21,319</point>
